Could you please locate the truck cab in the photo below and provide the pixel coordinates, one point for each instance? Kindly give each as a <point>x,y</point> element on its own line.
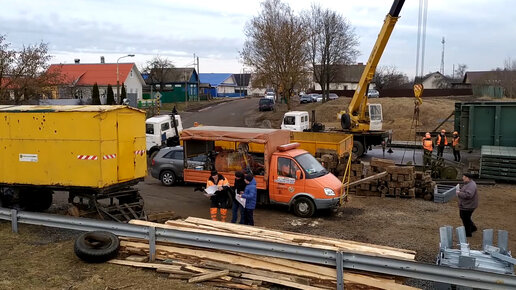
<point>295,121</point>
<point>159,130</point>
<point>375,117</point>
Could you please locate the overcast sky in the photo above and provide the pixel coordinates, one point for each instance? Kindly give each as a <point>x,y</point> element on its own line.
<point>478,33</point>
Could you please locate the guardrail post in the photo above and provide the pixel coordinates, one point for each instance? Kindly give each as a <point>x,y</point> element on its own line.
<point>152,244</point>
<point>340,270</point>
<point>14,220</point>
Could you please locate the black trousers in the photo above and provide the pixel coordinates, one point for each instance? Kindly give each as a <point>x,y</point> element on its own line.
<point>456,154</point>
<point>248,217</point>
<point>440,150</point>
<point>465,216</point>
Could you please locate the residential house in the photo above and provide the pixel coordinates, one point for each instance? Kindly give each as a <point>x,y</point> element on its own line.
<point>77,80</point>
<point>346,77</point>
<point>496,83</point>
<point>436,80</point>
<point>174,84</point>
<point>220,84</point>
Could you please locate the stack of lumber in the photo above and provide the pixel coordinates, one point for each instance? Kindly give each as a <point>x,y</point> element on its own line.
<point>246,271</point>
<point>381,177</point>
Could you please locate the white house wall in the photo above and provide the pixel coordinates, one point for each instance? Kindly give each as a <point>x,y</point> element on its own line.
<point>132,84</point>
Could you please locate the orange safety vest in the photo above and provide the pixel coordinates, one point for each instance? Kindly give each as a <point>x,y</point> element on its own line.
<point>428,144</point>
<point>455,141</point>
<point>439,140</point>
<point>221,182</point>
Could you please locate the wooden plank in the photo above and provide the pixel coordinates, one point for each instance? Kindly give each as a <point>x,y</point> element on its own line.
<point>208,276</point>
<point>280,282</point>
<point>137,258</point>
<point>367,179</point>
<point>233,286</point>
<point>144,265</point>
<point>380,283</point>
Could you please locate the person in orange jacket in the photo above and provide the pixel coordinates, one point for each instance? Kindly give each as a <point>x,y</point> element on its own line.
<point>455,146</point>
<point>441,142</point>
<point>219,201</point>
<point>428,145</point>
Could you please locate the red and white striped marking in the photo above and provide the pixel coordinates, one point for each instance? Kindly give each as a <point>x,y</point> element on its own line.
<point>139,152</point>
<point>87,157</point>
<point>109,156</point>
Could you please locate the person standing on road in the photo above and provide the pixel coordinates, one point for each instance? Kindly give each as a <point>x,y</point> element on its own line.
<point>428,145</point>
<point>239,188</point>
<point>219,201</point>
<point>455,146</point>
<point>441,142</point>
<point>468,202</point>
<point>250,199</point>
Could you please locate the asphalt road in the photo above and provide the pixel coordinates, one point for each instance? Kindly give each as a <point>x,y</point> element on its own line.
<point>237,113</point>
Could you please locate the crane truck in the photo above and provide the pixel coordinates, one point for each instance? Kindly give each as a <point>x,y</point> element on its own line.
<point>364,120</point>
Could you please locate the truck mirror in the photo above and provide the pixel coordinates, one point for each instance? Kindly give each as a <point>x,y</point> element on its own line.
<point>298,174</point>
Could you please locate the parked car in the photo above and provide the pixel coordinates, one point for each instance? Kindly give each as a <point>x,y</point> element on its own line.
<point>318,98</point>
<point>266,104</point>
<point>270,95</point>
<point>168,165</point>
<point>333,96</point>
<point>373,94</point>
<point>305,99</point>
<point>315,97</point>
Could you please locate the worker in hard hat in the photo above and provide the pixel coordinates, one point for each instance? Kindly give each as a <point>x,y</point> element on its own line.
<point>428,145</point>
<point>456,146</point>
<point>441,142</point>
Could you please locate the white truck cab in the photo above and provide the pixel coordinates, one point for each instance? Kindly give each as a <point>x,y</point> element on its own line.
<point>295,121</point>
<point>158,130</point>
<point>376,117</point>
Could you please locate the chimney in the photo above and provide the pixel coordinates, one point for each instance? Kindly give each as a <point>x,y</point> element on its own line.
<point>77,60</point>
<point>102,59</point>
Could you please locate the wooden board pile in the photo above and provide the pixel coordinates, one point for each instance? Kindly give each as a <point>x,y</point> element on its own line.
<point>399,181</point>
<point>245,271</point>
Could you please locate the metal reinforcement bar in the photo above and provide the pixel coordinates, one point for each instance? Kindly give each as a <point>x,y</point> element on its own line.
<point>376,264</point>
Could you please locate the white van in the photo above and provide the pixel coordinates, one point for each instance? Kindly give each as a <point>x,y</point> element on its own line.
<point>158,130</point>
<point>295,121</point>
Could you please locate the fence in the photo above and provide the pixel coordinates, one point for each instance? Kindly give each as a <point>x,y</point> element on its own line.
<point>338,259</point>
<point>407,93</point>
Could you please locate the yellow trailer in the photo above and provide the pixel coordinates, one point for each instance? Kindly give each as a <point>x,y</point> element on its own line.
<point>91,151</point>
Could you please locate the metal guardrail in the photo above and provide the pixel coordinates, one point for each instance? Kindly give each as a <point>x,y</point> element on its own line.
<point>340,260</point>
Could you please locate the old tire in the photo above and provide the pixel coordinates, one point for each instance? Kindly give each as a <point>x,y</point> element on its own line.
<point>36,199</point>
<point>167,177</point>
<point>304,207</point>
<point>345,121</point>
<point>96,247</point>
<point>358,148</point>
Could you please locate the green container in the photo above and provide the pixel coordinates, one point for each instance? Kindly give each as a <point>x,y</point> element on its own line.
<point>486,123</point>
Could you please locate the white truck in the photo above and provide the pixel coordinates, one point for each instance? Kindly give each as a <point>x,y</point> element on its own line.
<point>162,131</point>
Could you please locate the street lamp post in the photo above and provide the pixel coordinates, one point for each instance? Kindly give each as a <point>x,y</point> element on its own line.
<point>118,76</point>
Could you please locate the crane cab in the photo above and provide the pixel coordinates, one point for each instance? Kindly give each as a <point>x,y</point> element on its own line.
<point>375,117</point>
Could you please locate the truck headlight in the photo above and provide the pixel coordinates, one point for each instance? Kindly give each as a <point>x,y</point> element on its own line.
<point>329,191</point>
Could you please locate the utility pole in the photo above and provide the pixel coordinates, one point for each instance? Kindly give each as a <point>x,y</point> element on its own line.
<point>118,77</point>
<point>196,64</point>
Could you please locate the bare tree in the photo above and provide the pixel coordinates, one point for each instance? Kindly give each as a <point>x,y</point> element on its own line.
<point>275,48</point>
<point>24,74</point>
<point>332,42</point>
<point>460,71</point>
<point>388,77</point>
<point>508,79</point>
<point>159,69</point>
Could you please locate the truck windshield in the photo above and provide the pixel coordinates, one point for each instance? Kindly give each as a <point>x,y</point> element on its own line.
<point>289,120</point>
<point>311,166</point>
<point>149,129</point>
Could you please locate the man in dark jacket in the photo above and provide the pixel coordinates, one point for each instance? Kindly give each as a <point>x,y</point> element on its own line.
<point>219,201</point>
<point>250,199</point>
<point>468,202</point>
<point>239,188</point>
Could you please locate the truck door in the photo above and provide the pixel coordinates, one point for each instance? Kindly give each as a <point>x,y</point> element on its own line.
<point>376,117</point>
<point>126,156</point>
<point>284,182</point>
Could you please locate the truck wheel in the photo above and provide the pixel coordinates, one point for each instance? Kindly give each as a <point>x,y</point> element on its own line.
<point>345,121</point>
<point>358,148</point>
<point>97,246</point>
<point>304,207</point>
<point>36,199</point>
<point>168,178</point>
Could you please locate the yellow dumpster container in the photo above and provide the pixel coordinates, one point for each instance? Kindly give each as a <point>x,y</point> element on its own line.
<point>72,146</point>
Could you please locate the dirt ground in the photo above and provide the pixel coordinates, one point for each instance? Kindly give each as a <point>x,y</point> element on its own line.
<point>43,258</point>
<point>397,113</point>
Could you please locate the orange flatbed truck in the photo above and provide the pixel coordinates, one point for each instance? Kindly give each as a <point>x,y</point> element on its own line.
<point>288,176</point>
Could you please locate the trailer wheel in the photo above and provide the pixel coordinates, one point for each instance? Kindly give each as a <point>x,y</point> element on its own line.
<point>358,148</point>
<point>304,207</point>
<point>36,199</point>
<point>168,178</point>
<point>97,246</point>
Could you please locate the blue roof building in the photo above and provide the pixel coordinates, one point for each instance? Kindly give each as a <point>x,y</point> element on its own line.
<point>218,84</point>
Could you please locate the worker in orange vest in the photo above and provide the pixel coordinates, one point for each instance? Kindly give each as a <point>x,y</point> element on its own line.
<point>441,142</point>
<point>455,146</point>
<point>427,149</point>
